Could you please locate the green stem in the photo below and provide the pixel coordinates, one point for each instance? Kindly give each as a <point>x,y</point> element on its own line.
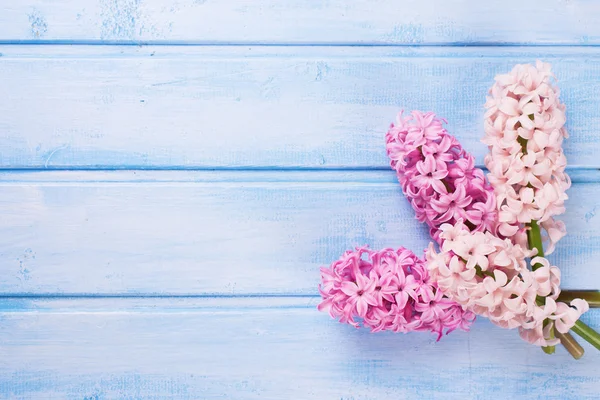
<point>549,349</point>
<point>523,142</point>
<point>534,239</point>
<point>593,299</point>
<point>481,273</point>
<point>587,333</point>
<point>591,296</point>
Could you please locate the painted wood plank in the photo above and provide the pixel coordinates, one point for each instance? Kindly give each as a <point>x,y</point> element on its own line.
<point>229,233</point>
<point>101,349</point>
<point>337,21</point>
<point>163,107</point>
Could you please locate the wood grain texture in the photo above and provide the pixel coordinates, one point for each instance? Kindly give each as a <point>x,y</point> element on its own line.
<point>334,21</point>
<point>207,107</point>
<point>232,233</point>
<point>267,349</point>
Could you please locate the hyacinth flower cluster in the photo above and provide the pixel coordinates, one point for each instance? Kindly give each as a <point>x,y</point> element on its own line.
<point>438,176</point>
<point>461,214</point>
<point>443,185</point>
<point>480,268</point>
<point>388,290</point>
<point>489,275</point>
<point>488,233</point>
<point>524,129</point>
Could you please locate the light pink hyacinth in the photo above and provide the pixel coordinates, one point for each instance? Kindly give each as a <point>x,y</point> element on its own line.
<point>389,290</point>
<point>438,176</point>
<point>524,129</point>
<point>489,276</point>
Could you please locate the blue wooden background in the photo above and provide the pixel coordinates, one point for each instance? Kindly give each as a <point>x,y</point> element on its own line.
<point>173,174</point>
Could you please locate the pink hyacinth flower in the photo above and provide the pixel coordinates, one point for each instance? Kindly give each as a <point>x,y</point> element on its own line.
<point>438,176</point>
<point>524,130</point>
<point>389,290</point>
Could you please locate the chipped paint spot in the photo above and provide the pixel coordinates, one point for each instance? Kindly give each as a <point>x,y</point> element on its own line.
<point>39,27</point>
<point>269,89</point>
<point>322,70</point>
<point>590,214</point>
<point>408,33</point>
<point>124,20</point>
<point>452,32</point>
<point>119,18</point>
<point>24,272</point>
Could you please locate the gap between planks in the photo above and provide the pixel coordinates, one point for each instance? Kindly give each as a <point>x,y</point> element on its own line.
<point>382,52</point>
<point>127,303</point>
<point>241,43</point>
<point>247,176</point>
<point>169,305</point>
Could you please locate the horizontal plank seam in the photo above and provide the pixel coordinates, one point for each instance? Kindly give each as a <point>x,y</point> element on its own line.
<point>226,175</point>
<point>67,296</point>
<point>19,42</point>
<point>75,307</point>
<point>101,168</point>
<point>167,310</point>
<point>125,168</point>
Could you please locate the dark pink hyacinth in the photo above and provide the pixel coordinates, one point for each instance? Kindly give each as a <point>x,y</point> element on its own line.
<point>388,290</point>
<point>438,176</point>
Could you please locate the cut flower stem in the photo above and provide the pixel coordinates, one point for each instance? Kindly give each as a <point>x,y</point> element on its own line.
<point>549,349</point>
<point>587,333</point>
<point>534,239</point>
<point>567,340</point>
<point>591,296</point>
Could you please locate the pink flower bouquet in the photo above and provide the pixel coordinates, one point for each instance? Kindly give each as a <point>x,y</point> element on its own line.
<point>492,237</point>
